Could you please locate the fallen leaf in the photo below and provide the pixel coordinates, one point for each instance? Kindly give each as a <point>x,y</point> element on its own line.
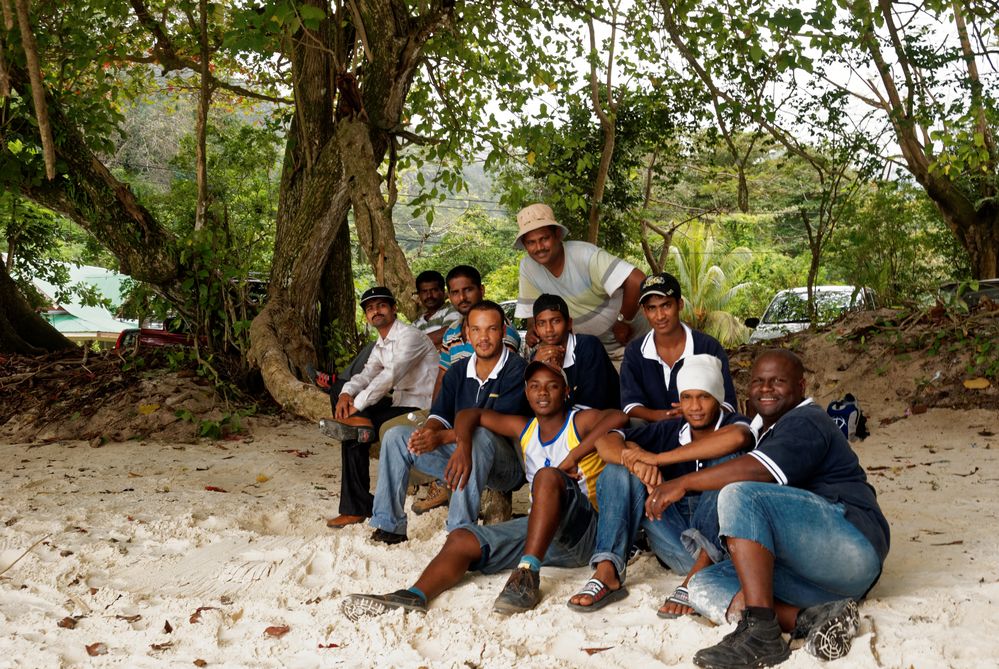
<point>978,383</point>
<point>93,591</point>
<point>167,628</point>
<point>130,619</point>
<point>162,646</point>
<point>919,408</point>
<point>95,649</point>
<point>69,622</point>
<point>277,630</point>
<point>212,488</point>
<point>200,663</point>
<point>950,543</point>
<point>263,478</point>
<point>196,616</point>
<point>146,409</point>
<point>593,651</point>
<point>133,475</point>
<point>329,645</point>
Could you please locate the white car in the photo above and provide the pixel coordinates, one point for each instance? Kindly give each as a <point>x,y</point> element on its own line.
<point>788,311</point>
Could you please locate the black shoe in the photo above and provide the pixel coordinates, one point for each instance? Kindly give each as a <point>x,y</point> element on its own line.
<point>356,606</point>
<point>522,592</point>
<point>828,629</point>
<point>755,642</point>
<point>389,538</point>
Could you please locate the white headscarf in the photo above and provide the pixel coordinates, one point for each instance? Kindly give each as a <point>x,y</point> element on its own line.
<point>702,372</point>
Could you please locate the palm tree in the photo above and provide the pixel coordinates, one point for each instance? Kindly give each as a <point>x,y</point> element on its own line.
<point>705,272</point>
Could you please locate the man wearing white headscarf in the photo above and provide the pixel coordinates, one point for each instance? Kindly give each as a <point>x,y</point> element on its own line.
<point>640,458</point>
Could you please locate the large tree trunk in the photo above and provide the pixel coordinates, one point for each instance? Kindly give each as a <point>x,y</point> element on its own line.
<point>22,330</point>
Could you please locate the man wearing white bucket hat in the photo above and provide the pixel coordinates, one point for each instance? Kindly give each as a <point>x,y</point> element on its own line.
<point>600,289</point>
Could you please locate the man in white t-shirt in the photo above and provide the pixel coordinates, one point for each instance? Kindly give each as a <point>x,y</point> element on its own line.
<point>600,289</point>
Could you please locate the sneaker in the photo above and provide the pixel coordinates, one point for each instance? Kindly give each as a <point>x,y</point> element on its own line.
<point>755,642</point>
<point>522,592</point>
<point>437,495</point>
<point>356,606</point>
<point>390,538</point>
<point>828,629</point>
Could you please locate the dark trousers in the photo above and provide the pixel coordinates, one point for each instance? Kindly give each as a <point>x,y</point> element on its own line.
<point>355,482</point>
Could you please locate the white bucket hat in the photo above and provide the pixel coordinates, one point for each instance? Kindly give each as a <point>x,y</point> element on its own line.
<point>534,217</point>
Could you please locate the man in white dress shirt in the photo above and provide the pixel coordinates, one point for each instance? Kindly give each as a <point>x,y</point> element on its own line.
<point>398,378</point>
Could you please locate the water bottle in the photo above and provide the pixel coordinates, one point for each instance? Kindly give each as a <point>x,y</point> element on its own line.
<point>416,419</point>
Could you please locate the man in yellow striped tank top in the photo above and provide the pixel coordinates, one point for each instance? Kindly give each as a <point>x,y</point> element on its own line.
<point>562,467</point>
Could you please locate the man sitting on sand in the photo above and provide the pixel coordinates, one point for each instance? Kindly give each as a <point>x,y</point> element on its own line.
<point>396,379</point>
<point>492,378</point>
<point>801,524</point>
<point>559,459</point>
<point>593,381</point>
<point>648,455</point>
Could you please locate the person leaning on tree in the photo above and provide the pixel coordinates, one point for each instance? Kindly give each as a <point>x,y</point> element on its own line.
<point>397,378</point>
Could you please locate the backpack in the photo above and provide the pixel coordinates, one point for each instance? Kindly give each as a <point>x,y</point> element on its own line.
<point>848,417</point>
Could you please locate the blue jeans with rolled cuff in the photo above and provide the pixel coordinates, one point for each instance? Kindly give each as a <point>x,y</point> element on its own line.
<point>621,500</point>
<point>819,556</point>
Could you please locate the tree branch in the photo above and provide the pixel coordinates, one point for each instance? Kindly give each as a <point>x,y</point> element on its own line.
<point>37,88</point>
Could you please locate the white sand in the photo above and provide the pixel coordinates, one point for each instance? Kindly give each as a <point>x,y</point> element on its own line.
<point>129,531</point>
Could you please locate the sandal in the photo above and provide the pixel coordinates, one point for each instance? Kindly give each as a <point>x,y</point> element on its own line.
<point>601,594</point>
<point>680,596</point>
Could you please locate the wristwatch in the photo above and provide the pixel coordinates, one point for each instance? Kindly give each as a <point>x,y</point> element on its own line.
<point>622,319</point>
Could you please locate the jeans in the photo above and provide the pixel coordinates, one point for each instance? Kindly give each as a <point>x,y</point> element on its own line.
<point>621,501</point>
<point>494,465</point>
<point>819,556</point>
<point>503,544</point>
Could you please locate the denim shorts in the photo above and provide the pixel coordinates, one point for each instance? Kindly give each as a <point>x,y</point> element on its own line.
<point>503,544</point>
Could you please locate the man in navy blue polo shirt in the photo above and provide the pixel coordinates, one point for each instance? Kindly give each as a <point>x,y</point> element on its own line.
<point>648,373</point>
<point>492,378</point>
<point>593,381</point>
<point>801,524</point>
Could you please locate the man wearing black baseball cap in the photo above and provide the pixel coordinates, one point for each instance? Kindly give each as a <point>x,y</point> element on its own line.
<point>397,378</point>
<point>593,381</point>
<point>648,373</point>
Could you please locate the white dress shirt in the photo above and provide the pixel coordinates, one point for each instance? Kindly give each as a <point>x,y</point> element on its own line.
<point>403,362</point>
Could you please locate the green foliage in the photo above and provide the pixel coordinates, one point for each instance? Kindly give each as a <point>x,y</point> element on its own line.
<point>896,243</point>
<point>476,239</point>
<point>705,272</point>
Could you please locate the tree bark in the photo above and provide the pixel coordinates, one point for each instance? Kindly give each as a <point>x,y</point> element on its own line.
<point>22,330</point>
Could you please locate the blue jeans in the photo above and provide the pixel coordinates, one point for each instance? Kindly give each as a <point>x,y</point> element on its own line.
<point>621,501</point>
<point>494,465</point>
<point>819,556</point>
<point>503,544</point>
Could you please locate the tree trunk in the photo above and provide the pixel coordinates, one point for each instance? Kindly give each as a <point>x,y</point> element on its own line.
<point>22,330</point>
<point>606,155</point>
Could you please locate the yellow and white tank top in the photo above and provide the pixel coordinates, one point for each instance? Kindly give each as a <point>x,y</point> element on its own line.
<point>538,454</point>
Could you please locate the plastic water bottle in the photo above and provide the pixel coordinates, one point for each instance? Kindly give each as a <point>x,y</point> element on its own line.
<point>417,419</point>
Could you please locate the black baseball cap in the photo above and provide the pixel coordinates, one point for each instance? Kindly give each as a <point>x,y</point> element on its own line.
<point>377,292</point>
<point>549,302</point>
<point>662,284</point>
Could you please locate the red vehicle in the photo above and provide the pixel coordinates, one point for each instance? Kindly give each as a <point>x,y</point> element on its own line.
<point>131,339</point>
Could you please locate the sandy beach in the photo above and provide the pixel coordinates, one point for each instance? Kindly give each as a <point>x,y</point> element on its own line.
<point>169,554</point>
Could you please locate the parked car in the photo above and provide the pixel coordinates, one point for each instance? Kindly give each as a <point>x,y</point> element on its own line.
<point>788,311</point>
<point>972,292</point>
<point>134,338</point>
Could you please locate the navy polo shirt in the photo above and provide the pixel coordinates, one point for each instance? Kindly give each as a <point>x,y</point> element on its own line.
<point>503,391</point>
<point>666,435</point>
<point>649,382</point>
<point>805,449</point>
